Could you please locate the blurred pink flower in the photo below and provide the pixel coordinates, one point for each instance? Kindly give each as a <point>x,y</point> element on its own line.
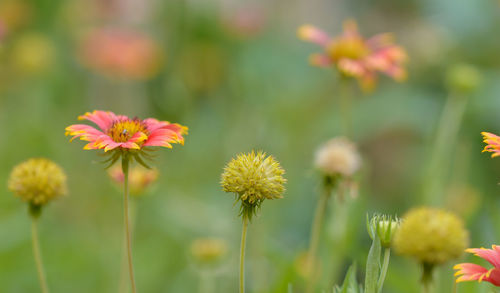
<point>473,272</point>
<point>244,22</point>
<point>140,178</point>
<point>121,53</point>
<point>492,143</point>
<point>355,56</point>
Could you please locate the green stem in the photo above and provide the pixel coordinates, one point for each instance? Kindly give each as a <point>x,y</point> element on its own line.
<point>385,267</point>
<point>123,288</point>
<point>125,165</point>
<point>446,136</point>
<point>345,103</point>
<point>427,277</point>
<point>38,256</point>
<point>319,215</point>
<point>242,254</point>
<point>207,282</point>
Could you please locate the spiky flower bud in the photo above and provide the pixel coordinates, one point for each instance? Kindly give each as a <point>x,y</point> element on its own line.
<point>37,181</point>
<point>338,157</point>
<point>463,78</point>
<point>253,177</point>
<point>432,236</point>
<point>384,227</point>
<point>208,251</point>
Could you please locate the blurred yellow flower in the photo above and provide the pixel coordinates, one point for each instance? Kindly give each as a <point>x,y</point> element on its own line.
<point>33,53</point>
<point>431,236</point>
<point>37,181</point>
<point>208,251</point>
<point>463,78</point>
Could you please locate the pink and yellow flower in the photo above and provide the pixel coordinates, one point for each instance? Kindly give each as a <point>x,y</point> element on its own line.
<point>356,56</point>
<point>119,132</point>
<point>474,272</point>
<point>492,143</point>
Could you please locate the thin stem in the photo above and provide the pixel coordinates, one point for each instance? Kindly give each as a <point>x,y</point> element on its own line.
<point>319,215</point>
<point>125,163</point>
<point>242,254</point>
<point>427,277</point>
<point>345,103</point>
<point>123,288</point>
<point>446,137</point>
<point>385,267</point>
<point>207,282</point>
<point>38,256</point>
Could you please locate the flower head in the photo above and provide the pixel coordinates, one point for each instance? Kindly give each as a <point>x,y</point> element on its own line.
<point>463,78</point>
<point>384,227</point>
<point>33,53</point>
<point>492,143</point>
<point>140,178</point>
<point>253,177</point>
<point>356,56</point>
<point>37,181</point>
<point>121,53</point>
<point>430,235</point>
<point>473,272</point>
<point>208,251</point>
<point>124,134</point>
<point>338,157</point>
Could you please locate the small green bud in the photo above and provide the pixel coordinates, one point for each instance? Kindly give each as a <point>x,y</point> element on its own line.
<point>463,78</point>
<point>384,226</point>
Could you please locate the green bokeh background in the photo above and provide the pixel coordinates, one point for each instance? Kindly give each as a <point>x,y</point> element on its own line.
<point>240,90</point>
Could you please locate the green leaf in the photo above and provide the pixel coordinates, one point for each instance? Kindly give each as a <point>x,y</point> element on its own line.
<point>373,265</point>
<point>350,284</point>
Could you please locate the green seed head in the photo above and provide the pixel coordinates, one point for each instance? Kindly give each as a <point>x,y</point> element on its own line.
<point>253,177</point>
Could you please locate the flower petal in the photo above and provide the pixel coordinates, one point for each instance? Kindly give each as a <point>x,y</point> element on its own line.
<point>313,34</point>
<point>103,119</point>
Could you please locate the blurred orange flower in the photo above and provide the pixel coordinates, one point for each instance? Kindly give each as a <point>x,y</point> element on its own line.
<point>492,143</point>
<point>356,56</point>
<point>474,272</point>
<point>121,53</point>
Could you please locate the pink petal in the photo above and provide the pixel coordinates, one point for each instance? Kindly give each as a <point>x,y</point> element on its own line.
<point>320,60</point>
<point>492,256</point>
<point>84,132</point>
<point>163,137</point>
<point>313,34</point>
<point>103,119</point>
<point>351,67</point>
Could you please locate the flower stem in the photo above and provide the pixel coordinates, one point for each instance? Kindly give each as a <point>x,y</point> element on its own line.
<point>427,277</point>
<point>242,254</point>
<point>207,282</point>
<point>385,267</point>
<point>38,257</point>
<point>319,215</point>
<point>345,104</point>
<point>123,285</point>
<point>446,137</point>
<point>125,165</point>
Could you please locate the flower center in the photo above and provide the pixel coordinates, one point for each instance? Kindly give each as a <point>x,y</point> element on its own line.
<point>348,47</point>
<point>123,130</point>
